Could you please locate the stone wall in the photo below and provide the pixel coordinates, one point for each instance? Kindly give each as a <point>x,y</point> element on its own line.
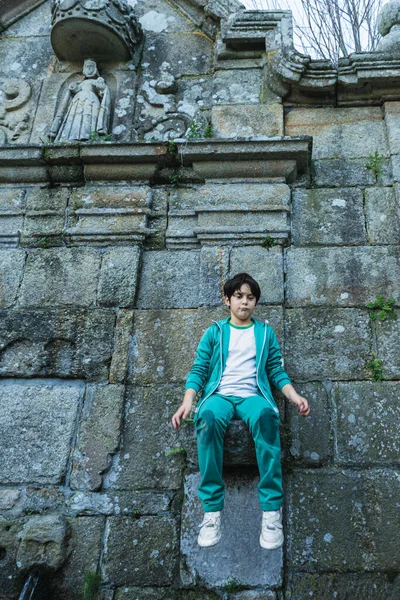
<point>112,259</point>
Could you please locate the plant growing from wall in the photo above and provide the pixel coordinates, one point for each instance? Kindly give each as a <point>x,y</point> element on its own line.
<point>382,308</point>
<point>376,367</point>
<point>209,131</point>
<point>91,586</point>
<point>194,130</point>
<point>268,242</point>
<point>94,136</point>
<point>374,164</point>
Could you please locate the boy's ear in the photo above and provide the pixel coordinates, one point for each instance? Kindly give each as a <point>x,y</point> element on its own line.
<point>227,301</point>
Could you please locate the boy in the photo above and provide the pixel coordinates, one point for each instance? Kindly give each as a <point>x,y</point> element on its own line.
<point>236,360</point>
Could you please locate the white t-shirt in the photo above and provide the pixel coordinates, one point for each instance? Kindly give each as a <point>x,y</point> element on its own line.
<point>239,376</point>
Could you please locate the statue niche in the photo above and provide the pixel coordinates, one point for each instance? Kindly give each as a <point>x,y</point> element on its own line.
<point>84,109</point>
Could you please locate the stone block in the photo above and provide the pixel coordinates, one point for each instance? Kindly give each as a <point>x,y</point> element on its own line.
<point>187,53</point>
<point>56,343</point>
<point>387,333</point>
<point>148,426</point>
<point>392,110</point>
<point>162,18</point>
<point>43,543</point>
<point>239,556</point>
<point>99,434</point>
<point>342,520</point>
<point>341,276</point>
<point>157,223</point>
<point>83,550</point>
<point>169,279</point>
<point>326,586</point>
<point>340,132</point>
<point>265,265</point>
<point>311,440</point>
<point>40,500</point>
<point>119,361</point>
<point>60,276</point>
<point>262,120</point>
<point>382,215</point>
<point>328,217</point>
<point>141,552</point>
<point>12,205</point>
<point>12,263</point>
<point>45,216</point>
<point>214,264</point>
<point>343,172</point>
<point>36,22</point>
<point>367,418</point>
<point>132,503</point>
<point>323,343</point>
<point>11,577</point>
<point>164,341</point>
<point>118,276</point>
<point>196,92</point>
<point>237,86</point>
<point>37,423</point>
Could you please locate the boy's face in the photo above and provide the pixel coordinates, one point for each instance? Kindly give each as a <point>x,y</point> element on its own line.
<point>242,304</point>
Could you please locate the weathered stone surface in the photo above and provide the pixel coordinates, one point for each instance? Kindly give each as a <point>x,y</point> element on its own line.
<point>343,172</point>
<point>388,346</point>
<point>60,276</point>
<point>325,586</point>
<point>45,215</point>
<point>265,265</point>
<point>310,440</point>
<point>119,362</point>
<point>37,422</point>
<point>196,92</point>
<point>11,578</point>
<point>148,426</point>
<point>141,552</point>
<point>238,556</point>
<point>382,215</point>
<point>11,269</point>
<point>341,276</point>
<point>118,276</point>
<point>237,86</point>
<point>157,223</point>
<point>164,342</point>
<point>392,110</point>
<point>326,344</point>
<point>56,343</point>
<point>43,541</point>
<point>99,434</point>
<point>214,264</point>
<point>137,593</point>
<point>367,418</point>
<point>8,498</point>
<point>343,520</point>
<point>83,550</point>
<point>132,503</point>
<point>340,132</point>
<point>328,217</point>
<point>169,279</point>
<point>174,48</point>
<point>12,204</point>
<point>41,500</point>
<point>248,121</point>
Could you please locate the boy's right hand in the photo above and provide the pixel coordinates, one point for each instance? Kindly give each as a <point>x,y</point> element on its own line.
<point>184,410</point>
<point>182,413</point>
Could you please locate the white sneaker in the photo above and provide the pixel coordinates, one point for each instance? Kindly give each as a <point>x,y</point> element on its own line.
<point>210,529</point>
<point>271,536</point>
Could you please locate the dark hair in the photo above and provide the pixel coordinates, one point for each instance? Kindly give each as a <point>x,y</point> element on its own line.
<point>236,282</point>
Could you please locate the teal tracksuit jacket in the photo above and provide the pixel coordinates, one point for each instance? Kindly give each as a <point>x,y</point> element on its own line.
<point>212,353</point>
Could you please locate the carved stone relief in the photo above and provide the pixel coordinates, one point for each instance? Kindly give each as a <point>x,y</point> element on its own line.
<point>84,109</point>
<point>103,29</point>
<point>14,94</point>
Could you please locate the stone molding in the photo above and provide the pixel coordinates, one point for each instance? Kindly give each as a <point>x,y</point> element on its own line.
<point>13,10</point>
<point>360,79</point>
<point>280,158</point>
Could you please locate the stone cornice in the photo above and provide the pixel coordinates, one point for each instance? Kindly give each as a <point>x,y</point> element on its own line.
<point>281,158</point>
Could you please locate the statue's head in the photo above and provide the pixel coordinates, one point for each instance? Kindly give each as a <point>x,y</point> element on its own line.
<point>90,68</point>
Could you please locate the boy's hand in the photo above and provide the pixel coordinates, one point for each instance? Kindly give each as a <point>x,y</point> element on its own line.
<point>184,410</point>
<point>302,405</point>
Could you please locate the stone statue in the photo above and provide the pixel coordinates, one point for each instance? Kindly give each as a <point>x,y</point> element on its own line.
<point>84,109</point>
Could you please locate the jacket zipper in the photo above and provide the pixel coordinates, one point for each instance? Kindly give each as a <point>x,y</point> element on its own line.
<point>220,376</point>
<point>258,368</point>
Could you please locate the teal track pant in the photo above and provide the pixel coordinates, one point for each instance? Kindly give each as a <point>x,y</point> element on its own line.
<point>213,419</point>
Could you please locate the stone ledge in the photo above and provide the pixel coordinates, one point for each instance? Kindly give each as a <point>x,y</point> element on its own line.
<point>77,164</point>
